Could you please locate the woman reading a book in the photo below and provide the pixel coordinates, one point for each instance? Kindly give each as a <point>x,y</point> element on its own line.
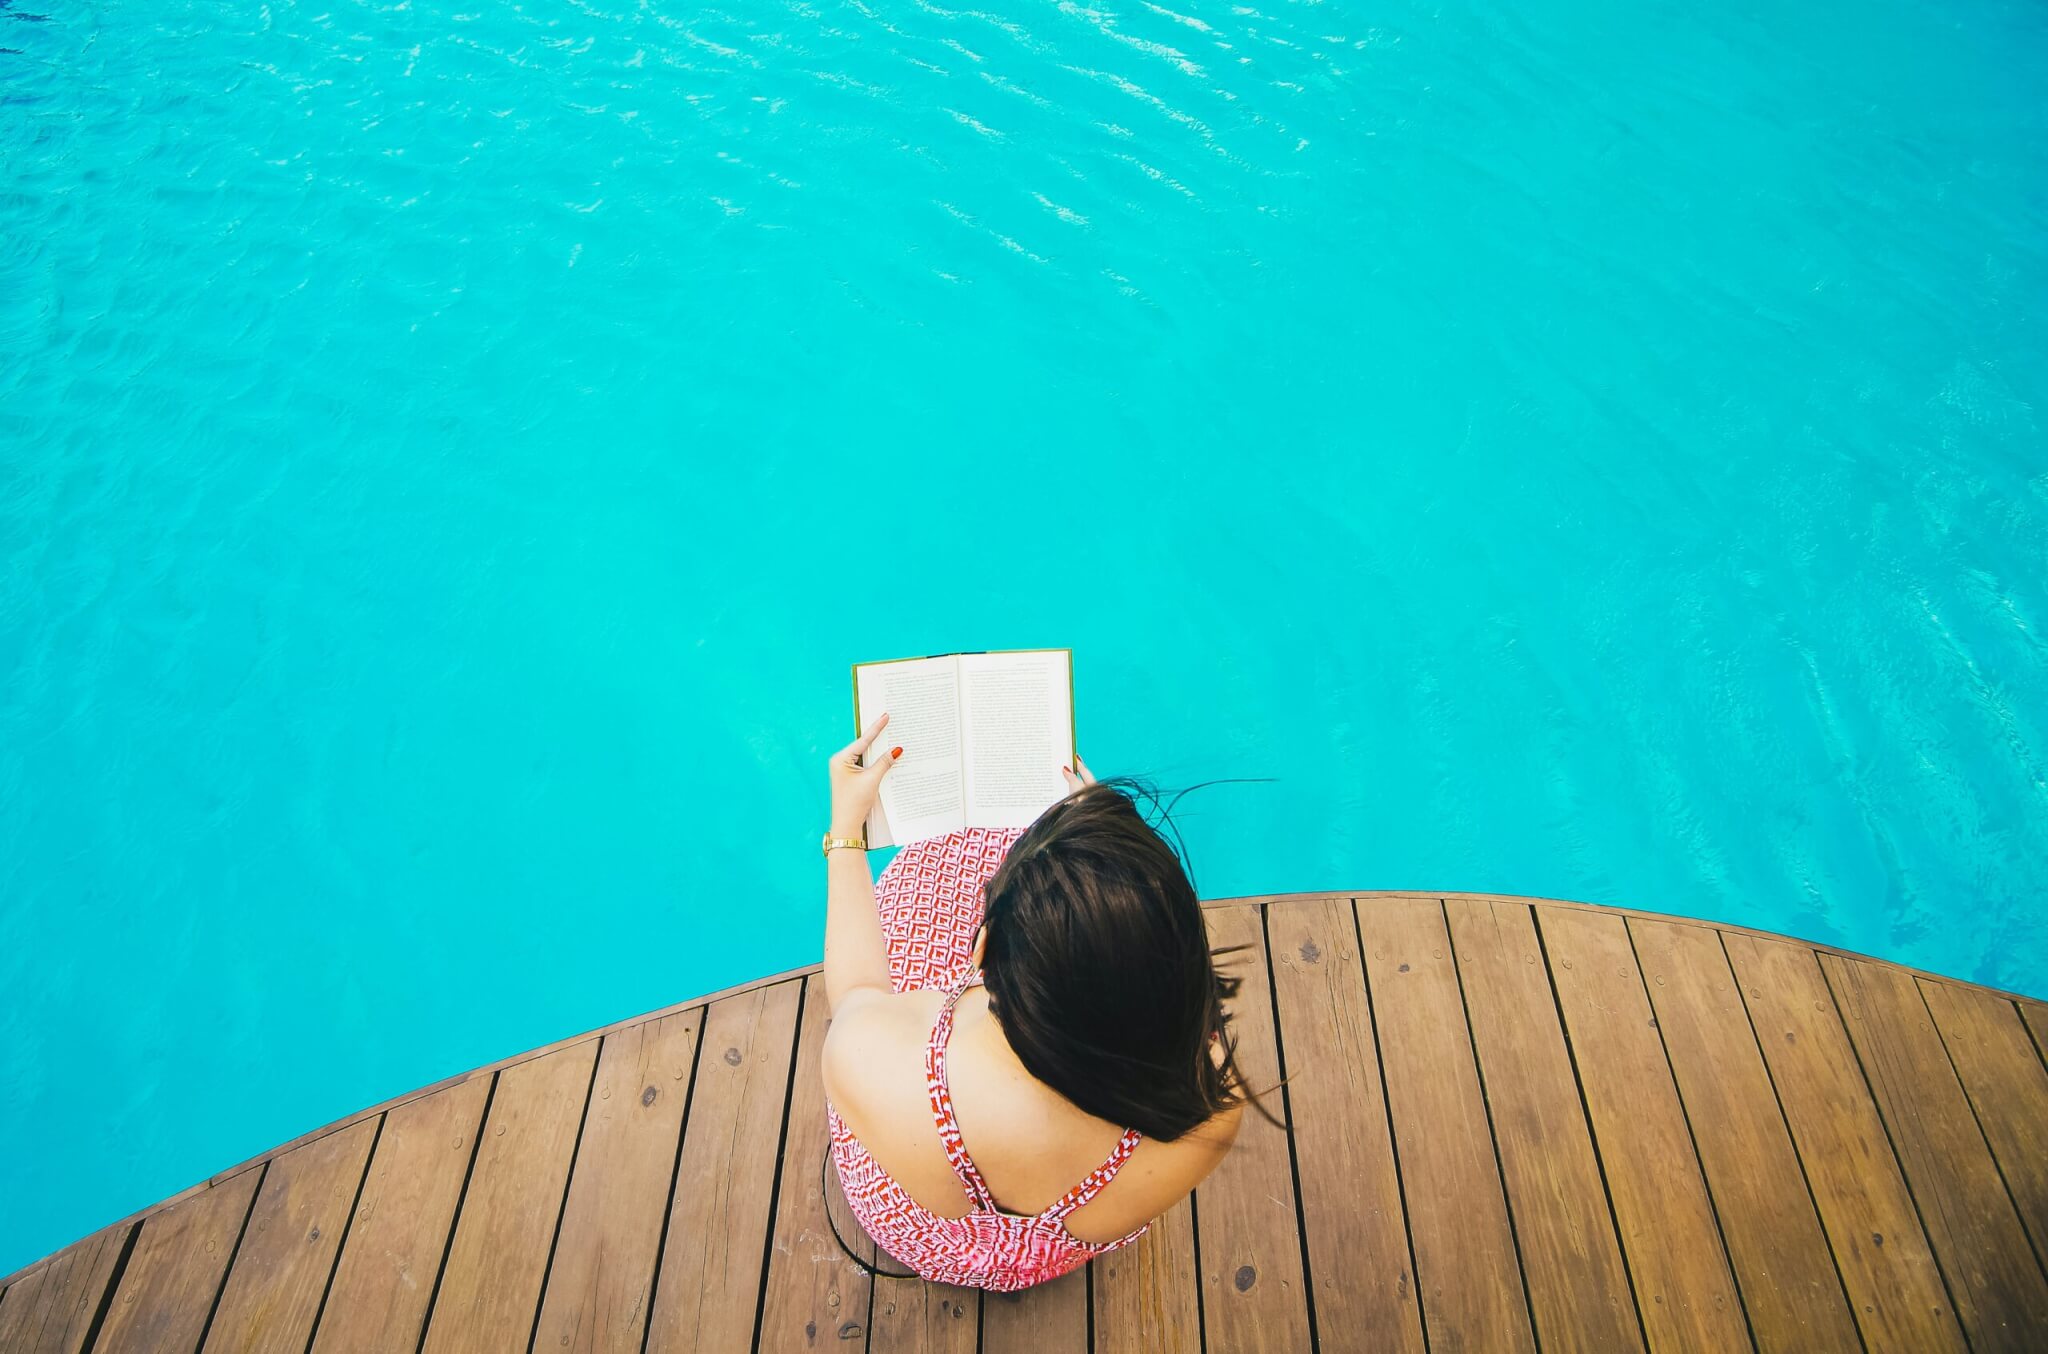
<point>1028,1058</point>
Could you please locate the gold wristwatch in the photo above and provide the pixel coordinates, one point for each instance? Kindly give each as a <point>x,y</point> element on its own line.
<point>833,843</point>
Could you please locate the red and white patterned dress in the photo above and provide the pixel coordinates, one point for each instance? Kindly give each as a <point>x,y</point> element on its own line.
<point>930,902</point>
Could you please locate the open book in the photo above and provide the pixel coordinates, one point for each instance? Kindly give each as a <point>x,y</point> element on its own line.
<point>984,736</point>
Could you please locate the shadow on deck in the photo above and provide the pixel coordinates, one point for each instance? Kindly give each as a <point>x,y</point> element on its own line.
<point>1515,1124</point>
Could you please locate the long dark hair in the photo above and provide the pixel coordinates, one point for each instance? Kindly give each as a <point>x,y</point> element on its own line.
<point>1099,969</point>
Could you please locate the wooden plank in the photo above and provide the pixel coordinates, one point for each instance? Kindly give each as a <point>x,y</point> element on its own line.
<point>485,1072</point>
<point>288,1250</point>
<point>2032,1007</point>
<point>2004,1129</point>
<point>914,1317</point>
<point>1882,1253</point>
<point>1729,928</point>
<point>490,1289</point>
<point>710,1286</point>
<point>403,1217</point>
<point>816,1296</point>
<point>1465,1261</point>
<point>1358,1234</point>
<point>1249,1240</point>
<point>50,1310</point>
<point>1775,1242</point>
<point>176,1269</point>
<point>1051,1318</point>
<point>2036,1016</point>
<point>1993,1277</point>
<point>605,1253</point>
<point>2008,1088</point>
<point>481,1075</point>
<point>1147,1298</point>
<point>1685,1291</point>
<point>1571,1259</point>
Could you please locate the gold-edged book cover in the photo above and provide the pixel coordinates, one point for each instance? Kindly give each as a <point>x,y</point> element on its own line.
<point>1072,726</point>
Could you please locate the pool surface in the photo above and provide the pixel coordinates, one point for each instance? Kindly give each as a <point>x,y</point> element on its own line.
<point>451,454</point>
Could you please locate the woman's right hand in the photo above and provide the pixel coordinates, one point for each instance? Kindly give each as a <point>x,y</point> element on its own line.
<point>855,787</point>
<point>1076,780</point>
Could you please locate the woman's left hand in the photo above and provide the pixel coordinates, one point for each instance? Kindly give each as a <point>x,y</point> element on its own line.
<point>856,787</point>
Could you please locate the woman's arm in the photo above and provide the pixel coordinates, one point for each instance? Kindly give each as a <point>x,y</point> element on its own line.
<point>856,955</point>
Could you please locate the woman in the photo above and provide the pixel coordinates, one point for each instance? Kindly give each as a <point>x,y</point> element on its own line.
<point>1027,1060</point>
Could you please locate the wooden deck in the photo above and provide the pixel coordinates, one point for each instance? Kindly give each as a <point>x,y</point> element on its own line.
<point>1516,1126</point>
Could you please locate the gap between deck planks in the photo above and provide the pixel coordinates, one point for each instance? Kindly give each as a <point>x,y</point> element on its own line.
<point>1509,1124</point>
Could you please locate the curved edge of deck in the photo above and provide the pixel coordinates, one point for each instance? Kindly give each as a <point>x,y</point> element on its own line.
<point>1583,1124</point>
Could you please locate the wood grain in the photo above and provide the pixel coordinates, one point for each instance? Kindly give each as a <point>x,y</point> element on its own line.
<point>487,1073</point>
<point>1886,1264</point>
<point>1146,1295</point>
<point>402,1222</point>
<point>1774,1237</point>
<point>1669,1236</point>
<point>2008,1088</point>
<point>1253,1298</point>
<point>288,1250</point>
<point>816,1297</point>
<point>1571,1259</point>
<point>1476,1115</point>
<point>490,1289</point>
<point>1357,1234</point>
<point>603,1272</point>
<point>914,1317</point>
<point>710,1285</point>
<point>50,1309</point>
<point>176,1269</point>
<point>1465,1261</point>
<point>1675,919</point>
<point>1051,1318</point>
<point>1996,1283</point>
<point>2032,1008</point>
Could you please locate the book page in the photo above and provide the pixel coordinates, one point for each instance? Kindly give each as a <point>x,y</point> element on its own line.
<point>1017,731</point>
<point>921,796</point>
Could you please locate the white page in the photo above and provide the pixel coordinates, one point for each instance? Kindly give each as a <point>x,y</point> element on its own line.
<point>921,796</point>
<point>1017,722</point>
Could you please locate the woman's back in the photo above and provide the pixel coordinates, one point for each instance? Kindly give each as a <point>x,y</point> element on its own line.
<point>956,1159</point>
<point>1029,1143</point>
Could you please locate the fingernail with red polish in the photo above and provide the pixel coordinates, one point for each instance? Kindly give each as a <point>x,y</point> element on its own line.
<point>895,753</point>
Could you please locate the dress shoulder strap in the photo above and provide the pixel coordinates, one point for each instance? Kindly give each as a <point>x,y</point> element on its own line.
<point>942,1097</point>
<point>963,1165</point>
<point>1098,1179</point>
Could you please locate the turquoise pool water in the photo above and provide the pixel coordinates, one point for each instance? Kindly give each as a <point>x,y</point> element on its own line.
<point>451,453</point>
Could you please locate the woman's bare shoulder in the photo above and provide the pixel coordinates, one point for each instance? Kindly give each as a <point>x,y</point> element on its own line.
<point>1159,1175</point>
<point>867,1037</point>
<point>1214,1135</point>
<point>1209,1141</point>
